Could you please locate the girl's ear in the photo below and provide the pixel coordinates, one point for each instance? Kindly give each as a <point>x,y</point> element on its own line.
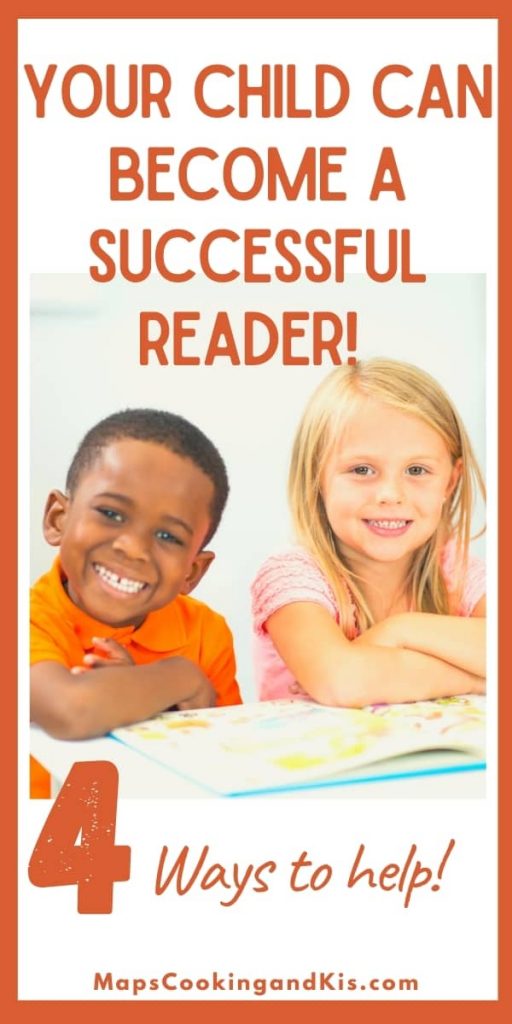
<point>454,478</point>
<point>54,519</point>
<point>200,565</point>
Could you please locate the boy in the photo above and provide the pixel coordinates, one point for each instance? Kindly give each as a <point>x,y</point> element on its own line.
<point>114,636</point>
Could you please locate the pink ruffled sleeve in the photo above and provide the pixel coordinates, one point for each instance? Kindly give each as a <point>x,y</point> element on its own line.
<point>285,579</point>
<point>474,583</point>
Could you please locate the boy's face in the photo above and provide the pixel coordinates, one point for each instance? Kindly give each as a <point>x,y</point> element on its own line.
<point>130,537</point>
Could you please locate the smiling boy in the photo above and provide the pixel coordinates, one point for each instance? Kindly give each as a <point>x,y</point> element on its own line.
<point>114,636</point>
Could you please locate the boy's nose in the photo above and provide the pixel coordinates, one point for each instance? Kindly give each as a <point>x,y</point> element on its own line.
<point>132,545</point>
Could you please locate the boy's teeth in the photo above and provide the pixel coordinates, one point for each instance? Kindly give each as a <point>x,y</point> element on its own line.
<point>122,583</point>
<point>388,524</point>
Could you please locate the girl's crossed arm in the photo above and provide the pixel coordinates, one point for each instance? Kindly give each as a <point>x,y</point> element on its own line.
<point>459,640</point>
<point>378,668</point>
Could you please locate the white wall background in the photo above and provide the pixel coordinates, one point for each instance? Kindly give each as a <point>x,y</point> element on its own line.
<point>85,365</point>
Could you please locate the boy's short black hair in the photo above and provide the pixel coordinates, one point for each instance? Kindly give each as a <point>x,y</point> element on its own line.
<point>160,427</point>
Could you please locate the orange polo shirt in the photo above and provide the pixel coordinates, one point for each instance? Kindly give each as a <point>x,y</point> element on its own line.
<point>59,631</point>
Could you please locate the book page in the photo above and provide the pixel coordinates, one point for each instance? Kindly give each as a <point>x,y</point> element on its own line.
<point>279,744</point>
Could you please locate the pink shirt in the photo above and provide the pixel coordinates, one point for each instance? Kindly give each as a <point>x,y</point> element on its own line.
<point>293,575</point>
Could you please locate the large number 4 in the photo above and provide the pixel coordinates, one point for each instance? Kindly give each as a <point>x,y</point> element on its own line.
<point>86,804</point>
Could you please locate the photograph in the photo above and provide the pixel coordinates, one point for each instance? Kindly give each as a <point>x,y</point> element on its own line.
<point>265,579</point>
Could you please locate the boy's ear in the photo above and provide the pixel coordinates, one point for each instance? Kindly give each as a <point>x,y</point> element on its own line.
<point>200,565</point>
<point>54,518</point>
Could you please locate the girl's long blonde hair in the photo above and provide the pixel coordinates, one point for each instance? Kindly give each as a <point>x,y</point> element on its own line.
<point>329,409</point>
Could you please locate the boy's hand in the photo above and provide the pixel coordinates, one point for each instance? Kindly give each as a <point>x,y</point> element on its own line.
<point>204,697</point>
<point>107,652</point>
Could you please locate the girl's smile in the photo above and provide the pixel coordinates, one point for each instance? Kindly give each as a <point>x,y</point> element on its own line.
<point>388,527</point>
<point>385,483</point>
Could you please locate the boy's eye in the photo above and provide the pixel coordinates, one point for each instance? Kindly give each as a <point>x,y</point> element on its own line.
<point>110,513</point>
<point>362,470</point>
<point>417,470</point>
<point>169,538</point>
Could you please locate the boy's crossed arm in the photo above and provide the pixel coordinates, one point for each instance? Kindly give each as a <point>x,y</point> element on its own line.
<point>115,693</point>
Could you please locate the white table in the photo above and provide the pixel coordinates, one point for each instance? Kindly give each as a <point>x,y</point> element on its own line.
<point>140,777</point>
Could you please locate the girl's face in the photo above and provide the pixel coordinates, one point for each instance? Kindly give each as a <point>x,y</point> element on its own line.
<point>385,483</point>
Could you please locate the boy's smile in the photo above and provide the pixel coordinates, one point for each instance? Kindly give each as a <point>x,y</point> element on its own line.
<point>121,584</point>
<point>130,536</point>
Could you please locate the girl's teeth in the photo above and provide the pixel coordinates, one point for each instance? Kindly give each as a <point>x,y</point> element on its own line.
<point>121,583</point>
<point>388,524</point>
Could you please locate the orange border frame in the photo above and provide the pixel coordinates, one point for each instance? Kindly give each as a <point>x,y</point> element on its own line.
<point>227,1012</point>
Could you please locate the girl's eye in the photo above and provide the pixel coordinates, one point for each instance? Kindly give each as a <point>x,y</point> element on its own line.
<point>169,538</point>
<point>362,470</point>
<point>417,471</point>
<point>110,513</point>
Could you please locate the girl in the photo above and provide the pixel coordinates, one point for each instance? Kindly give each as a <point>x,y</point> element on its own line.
<point>381,603</point>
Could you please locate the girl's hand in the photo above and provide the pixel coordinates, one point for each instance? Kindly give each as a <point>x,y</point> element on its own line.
<point>106,653</point>
<point>456,639</point>
<point>478,685</point>
<point>383,634</point>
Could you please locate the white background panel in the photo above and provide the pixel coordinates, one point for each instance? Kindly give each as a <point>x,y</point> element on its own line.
<point>83,364</point>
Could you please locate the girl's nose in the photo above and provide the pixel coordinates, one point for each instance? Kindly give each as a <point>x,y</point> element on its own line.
<point>390,491</point>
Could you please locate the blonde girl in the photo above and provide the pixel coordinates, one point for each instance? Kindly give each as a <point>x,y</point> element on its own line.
<point>380,601</point>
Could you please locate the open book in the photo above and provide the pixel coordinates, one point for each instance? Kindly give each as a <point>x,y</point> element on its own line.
<point>283,744</point>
